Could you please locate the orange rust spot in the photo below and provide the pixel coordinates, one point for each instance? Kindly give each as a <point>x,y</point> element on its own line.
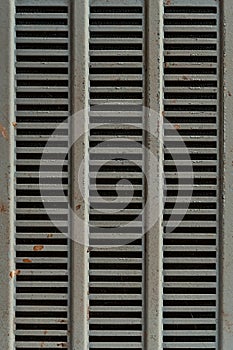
<point>50,235</point>
<point>38,248</point>
<point>3,208</point>
<point>14,124</point>
<point>3,131</point>
<point>177,126</point>
<point>27,261</point>
<point>15,273</point>
<point>45,332</point>
<point>78,206</point>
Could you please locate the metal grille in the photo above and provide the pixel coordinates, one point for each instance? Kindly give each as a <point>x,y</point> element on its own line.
<point>116,246</point>
<point>42,102</point>
<point>191,105</point>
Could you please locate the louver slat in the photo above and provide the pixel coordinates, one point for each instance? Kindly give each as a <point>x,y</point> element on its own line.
<point>190,261</point>
<point>42,103</point>
<point>116,98</point>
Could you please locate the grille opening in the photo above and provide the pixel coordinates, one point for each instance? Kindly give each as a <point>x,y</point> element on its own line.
<point>116,21</point>
<point>108,58</point>
<point>190,83</point>
<point>209,35</point>
<point>190,9</point>
<point>189,302</point>
<point>41,34</point>
<point>189,22</point>
<point>192,47</point>
<point>45,22</point>
<point>129,327</point>
<point>41,9</point>
<point>116,70</point>
<point>189,327</point>
<point>211,59</point>
<point>42,326</point>
<point>182,254</point>
<point>115,9</point>
<point>37,58</point>
<point>46,83</point>
<point>39,46</point>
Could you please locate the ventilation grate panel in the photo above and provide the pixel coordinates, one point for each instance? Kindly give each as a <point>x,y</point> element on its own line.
<point>116,101</point>
<point>190,272</point>
<point>41,104</point>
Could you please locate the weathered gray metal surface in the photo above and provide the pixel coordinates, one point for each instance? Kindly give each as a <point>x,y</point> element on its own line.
<point>167,309</point>
<point>153,124</point>
<point>7,275</point>
<point>226,222</point>
<point>79,191</point>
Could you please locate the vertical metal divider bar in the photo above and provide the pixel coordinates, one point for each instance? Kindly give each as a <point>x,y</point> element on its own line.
<point>154,103</point>
<point>219,169</point>
<point>79,153</point>
<point>226,222</point>
<point>7,173</point>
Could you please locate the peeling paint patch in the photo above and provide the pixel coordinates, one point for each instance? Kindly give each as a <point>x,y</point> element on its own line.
<point>38,248</point>
<point>3,131</point>
<point>15,273</point>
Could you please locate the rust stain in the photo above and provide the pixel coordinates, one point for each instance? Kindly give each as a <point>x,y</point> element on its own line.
<point>38,248</point>
<point>3,131</point>
<point>163,113</point>
<point>168,2</point>
<point>27,261</point>
<point>185,78</point>
<point>15,273</point>
<point>62,345</point>
<point>229,93</point>
<point>14,124</point>
<point>45,332</point>
<point>3,208</point>
<point>89,249</point>
<point>62,321</point>
<point>166,64</point>
<point>50,235</point>
<point>78,206</point>
<point>88,313</point>
<point>177,126</point>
